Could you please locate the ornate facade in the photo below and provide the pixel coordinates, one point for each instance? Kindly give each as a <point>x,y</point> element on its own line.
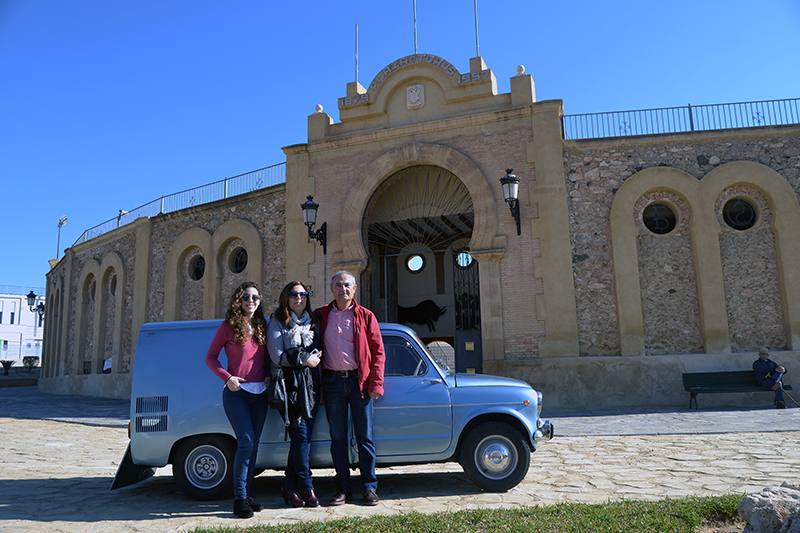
<point>637,258</point>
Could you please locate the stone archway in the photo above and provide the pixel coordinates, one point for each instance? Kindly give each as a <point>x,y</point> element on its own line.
<point>484,235</point>
<point>417,226</point>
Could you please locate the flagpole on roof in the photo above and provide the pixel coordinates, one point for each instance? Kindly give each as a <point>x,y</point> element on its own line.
<point>477,46</point>
<point>415,26</point>
<point>356,52</point>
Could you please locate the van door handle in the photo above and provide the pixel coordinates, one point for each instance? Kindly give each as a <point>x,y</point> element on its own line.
<point>432,381</point>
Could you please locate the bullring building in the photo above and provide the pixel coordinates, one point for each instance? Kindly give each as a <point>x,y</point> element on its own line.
<point>641,245</point>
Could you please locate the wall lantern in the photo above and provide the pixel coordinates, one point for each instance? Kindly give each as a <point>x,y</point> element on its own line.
<point>32,304</point>
<point>510,184</point>
<point>310,218</point>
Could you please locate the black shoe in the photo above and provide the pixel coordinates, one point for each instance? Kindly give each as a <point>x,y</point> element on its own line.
<point>254,505</point>
<point>781,405</point>
<point>340,497</point>
<point>371,497</point>
<point>291,497</point>
<point>242,509</point>
<point>310,498</point>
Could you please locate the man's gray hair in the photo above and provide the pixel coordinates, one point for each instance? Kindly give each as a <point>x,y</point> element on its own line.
<point>343,273</point>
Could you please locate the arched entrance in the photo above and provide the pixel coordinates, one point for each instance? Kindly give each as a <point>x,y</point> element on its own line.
<point>417,227</point>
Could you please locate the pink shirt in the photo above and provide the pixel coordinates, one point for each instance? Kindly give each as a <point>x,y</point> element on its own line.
<point>243,361</point>
<point>340,353</point>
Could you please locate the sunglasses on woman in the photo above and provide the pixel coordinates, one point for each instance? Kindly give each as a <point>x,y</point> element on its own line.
<point>295,294</point>
<point>248,297</point>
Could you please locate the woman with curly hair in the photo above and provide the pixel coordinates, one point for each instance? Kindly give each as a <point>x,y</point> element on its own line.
<point>293,342</point>
<point>243,334</point>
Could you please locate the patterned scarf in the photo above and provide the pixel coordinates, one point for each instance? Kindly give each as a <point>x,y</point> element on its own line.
<point>300,334</point>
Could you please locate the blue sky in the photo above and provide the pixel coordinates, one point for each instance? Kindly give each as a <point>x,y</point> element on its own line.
<point>107,105</point>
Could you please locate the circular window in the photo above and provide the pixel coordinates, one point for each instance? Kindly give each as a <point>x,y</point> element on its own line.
<point>739,214</point>
<point>464,260</point>
<point>659,218</point>
<point>415,263</point>
<point>197,268</point>
<point>238,260</point>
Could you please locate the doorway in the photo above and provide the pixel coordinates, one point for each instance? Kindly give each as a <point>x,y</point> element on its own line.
<point>417,227</point>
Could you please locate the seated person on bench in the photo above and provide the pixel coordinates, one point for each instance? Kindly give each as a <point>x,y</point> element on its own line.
<point>769,374</point>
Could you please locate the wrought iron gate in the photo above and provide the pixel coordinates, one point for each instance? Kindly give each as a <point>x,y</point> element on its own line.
<point>467,307</point>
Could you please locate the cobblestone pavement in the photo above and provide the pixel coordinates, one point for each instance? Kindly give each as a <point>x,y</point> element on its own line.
<point>59,459</point>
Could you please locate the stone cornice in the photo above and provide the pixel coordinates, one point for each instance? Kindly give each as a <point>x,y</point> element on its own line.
<point>404,132</point>
<point>495,254</point>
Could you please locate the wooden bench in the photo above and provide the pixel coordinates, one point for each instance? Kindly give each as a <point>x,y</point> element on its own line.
<point>715,382</point>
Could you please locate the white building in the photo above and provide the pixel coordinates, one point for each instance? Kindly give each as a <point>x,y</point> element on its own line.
<point>21,330</point>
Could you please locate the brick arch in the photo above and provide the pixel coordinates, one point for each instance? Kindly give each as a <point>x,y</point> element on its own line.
<point>785,226</point>
<point>212,246</point>
<point>227,232</point>
<point>52,363</point>
<point>173,288</point>
<point>485,230</point>
<point>91,271</point>
<point>700,196</point>
<point>112,265</point>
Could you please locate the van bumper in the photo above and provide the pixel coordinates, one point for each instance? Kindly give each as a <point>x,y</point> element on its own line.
<point>129,473</point>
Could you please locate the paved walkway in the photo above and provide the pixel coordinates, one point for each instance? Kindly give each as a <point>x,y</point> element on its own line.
<point>60,453</point>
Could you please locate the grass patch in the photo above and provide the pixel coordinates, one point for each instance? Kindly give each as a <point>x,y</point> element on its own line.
<point>683,515</point>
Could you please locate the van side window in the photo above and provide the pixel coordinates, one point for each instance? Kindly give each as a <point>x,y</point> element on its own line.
<point>401,358</point>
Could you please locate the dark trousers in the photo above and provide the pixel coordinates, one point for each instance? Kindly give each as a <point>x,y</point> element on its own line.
<point>341,394</point>
<point>770,382</point>
<point>298,468</point>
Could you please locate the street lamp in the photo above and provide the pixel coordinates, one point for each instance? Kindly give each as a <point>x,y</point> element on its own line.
<point>61,222</point>
<point>510,184</point>
<point>310,218</point>
<point>32,304</point>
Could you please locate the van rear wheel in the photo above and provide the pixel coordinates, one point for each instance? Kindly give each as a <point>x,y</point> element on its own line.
<point>203,467</point>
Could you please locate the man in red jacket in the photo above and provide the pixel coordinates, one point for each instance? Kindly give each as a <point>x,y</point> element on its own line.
<point>352,375</point>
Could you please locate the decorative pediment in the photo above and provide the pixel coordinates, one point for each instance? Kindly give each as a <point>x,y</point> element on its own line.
<point>412,78</point>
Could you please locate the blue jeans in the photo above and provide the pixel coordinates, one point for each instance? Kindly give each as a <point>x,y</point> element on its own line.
<point>246,412</point>
<point>341,393</point>
<point>298,468</point>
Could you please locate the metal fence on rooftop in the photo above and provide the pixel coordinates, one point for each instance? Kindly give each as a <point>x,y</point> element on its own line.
<point>219,190</point>
<point>681,119</point>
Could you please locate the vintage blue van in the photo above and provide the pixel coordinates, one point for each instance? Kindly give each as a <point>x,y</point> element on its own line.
<point>489,424</point>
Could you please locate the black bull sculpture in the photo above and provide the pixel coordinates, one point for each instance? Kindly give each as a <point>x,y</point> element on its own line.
<point>426,312</point>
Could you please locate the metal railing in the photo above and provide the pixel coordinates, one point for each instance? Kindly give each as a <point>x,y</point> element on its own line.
<point>21,290</point>
<point>241,184</point>
<point>681,119</point>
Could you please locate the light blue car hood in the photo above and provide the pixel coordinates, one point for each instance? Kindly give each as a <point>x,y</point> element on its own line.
<point>482,380</point>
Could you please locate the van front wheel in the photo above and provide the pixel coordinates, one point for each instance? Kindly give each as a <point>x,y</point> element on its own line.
<point>203,467</point>
<point>495,456</point>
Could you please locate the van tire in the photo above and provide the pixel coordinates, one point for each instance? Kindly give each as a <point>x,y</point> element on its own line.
<point>203,467</point>
<point>495,456</point>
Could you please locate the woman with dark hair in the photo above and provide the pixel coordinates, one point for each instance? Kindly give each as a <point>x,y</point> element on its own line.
<point>293,343</point>
<point>243,334</point>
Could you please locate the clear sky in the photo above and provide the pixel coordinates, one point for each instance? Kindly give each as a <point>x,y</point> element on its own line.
<point>107,105</point>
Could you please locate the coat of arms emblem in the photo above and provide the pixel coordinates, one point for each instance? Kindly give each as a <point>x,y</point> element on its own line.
<point>415,96</point>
